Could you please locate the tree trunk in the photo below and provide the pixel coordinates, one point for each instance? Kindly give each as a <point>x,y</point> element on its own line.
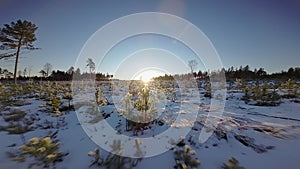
<point>17,58</point>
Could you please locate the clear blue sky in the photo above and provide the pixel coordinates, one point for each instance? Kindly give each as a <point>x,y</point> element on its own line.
<point>254,32</point>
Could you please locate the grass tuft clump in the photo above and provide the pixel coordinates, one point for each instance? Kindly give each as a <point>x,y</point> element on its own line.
<point>44,151</point>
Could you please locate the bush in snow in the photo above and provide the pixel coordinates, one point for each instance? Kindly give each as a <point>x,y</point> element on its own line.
<point>18,124</point>
<point>44,152</point>
<point>139,110</point>
<point>261,95</point>
<point>55,102</point>
<point>290,89</point>
<point>232,164</point>
<point>99,101</point>
<point>184,159</point>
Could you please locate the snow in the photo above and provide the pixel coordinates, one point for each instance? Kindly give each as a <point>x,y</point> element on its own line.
<point>256,122</point>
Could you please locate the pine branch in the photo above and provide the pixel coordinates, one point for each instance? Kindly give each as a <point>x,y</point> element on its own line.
<point>6,55</point>
<point>32,48</point>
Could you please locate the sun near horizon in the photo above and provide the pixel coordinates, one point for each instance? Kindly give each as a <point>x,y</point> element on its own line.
<point>147,75</point>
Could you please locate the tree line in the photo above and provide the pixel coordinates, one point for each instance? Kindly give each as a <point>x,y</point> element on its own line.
<point>244,73</point>
<point>260,74</point>
<point>56,75</point>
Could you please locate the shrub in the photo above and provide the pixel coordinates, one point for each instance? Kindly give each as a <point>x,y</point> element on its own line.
<point>184,159</point>
<point>261,95</point>
<point>232,164</point>
<point>290,88</point>
<point>55,102</point>
<point>44,151</point>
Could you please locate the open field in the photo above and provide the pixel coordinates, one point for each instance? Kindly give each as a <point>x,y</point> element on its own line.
<point>253,131</point>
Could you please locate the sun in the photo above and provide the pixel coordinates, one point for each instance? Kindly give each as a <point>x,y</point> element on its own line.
<point>148,75</point>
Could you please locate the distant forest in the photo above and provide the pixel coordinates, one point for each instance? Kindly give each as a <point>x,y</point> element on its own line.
<point>57,75</point>
<point>243,73</point>
<point>231,73</point>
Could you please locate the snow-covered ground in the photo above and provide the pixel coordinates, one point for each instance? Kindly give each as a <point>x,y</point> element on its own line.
<point>258,137</point>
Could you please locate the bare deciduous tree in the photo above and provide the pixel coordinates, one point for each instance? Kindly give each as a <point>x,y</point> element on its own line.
<point>47,68</point>
<point>193,65</point>
<point>29,70</point>
<point>25,72</point>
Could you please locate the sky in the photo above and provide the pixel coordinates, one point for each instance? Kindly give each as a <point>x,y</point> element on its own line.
<point>250,32</point>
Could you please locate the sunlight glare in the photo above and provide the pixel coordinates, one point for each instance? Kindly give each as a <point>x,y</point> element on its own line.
<point>147,75</point>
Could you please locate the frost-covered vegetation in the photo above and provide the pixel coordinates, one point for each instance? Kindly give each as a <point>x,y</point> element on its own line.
<point>259,117</point>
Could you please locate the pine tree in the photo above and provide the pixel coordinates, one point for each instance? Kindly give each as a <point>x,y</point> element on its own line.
<point>15,37</point>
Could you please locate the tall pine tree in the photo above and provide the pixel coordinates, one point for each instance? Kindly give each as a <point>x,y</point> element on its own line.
<point>15,37</point>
